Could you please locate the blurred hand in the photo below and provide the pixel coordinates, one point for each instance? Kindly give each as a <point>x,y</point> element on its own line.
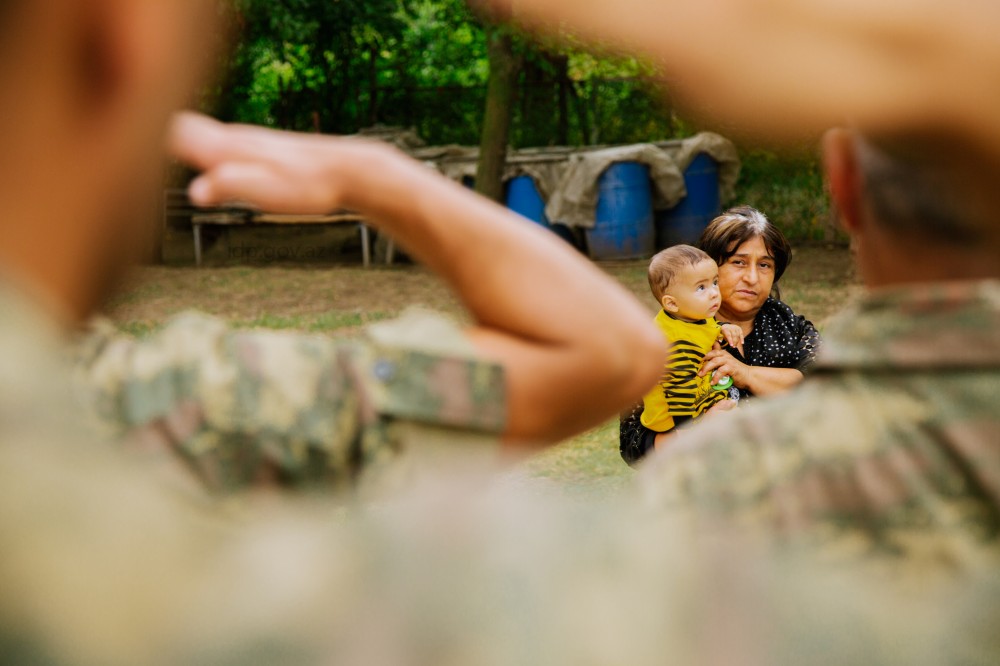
<point>278,172</point>
<point>888,67</point>
<point>722,406</point>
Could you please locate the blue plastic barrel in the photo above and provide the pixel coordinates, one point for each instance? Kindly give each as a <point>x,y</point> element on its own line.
<point>623,228</point>
<point>684,222</point>
<point>523,198</point>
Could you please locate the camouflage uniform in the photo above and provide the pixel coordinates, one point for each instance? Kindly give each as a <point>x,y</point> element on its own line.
<point>891,446</point>
<point>103,567</point>
<point>249,407</point>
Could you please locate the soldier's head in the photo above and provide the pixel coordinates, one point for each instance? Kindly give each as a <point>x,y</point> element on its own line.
<point>911,209</point>
<point>86,91</point>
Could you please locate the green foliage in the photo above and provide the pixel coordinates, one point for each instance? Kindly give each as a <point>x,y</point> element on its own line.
<point>587,65</point>
<point>138,329</point>
<point>341,65</point>
<point>621,111</point>
<point>443,44</point>
<point>589,464</point>
<point>790,191</point>
<point>300,63</point>
<point>441,69</point>
<point>273,322</point>
<point>327,322</point>
<point>337,320</point>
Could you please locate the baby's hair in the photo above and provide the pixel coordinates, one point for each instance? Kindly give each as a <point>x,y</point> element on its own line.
<point>666,264</point>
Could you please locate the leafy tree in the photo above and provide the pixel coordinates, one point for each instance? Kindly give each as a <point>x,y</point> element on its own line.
<point>505,65</point>
<point>311,64</point>
<point>341,65</point>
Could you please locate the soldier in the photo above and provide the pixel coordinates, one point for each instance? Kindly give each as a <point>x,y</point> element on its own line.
<point>103,565</point>
<point>892,445</point>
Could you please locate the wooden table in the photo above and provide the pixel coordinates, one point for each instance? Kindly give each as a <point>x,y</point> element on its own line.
<point>235,217</point>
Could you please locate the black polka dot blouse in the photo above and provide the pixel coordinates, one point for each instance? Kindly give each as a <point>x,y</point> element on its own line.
<point>779,339</point>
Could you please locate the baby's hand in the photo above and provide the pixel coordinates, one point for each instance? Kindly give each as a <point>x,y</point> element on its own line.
<point>733,335</point>
<point>722,406</point>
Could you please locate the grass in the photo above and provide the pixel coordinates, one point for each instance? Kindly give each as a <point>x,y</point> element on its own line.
<point>341,300</point>
<point>588,463</point>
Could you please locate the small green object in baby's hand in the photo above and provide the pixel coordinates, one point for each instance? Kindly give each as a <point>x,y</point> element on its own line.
<point>723,385</point>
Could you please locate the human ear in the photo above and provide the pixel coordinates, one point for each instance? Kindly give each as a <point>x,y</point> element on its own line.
<point>106,55</point>
<point>842,177</point>
<point>669,304</point>
<point>145,56</point>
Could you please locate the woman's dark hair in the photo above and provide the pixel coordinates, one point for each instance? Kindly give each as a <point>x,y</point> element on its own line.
<point>726,233</point>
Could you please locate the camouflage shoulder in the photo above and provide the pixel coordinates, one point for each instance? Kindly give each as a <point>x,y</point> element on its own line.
<point>423,368</point>
<point>908,326</point>
<point>240,406</point>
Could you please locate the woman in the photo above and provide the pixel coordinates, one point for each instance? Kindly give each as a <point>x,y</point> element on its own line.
<point>752,255</point>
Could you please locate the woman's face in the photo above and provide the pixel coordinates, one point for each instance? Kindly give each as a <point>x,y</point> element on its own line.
<point>745,279</point>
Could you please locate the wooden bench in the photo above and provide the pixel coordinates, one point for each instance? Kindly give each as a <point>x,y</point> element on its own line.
<point>178,205</point>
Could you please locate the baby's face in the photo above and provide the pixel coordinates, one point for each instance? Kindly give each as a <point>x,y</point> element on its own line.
<point>695,291</point>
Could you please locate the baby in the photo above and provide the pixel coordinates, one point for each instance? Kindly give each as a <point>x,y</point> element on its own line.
<point>685,281</point>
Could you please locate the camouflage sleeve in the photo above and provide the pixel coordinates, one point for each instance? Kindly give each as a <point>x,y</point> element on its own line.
<point>881,471</point>
<point>100,567</point>
<point>258,407</point>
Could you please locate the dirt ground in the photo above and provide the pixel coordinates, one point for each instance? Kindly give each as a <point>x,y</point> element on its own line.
<point>333,294</point>
<point>312,278</point>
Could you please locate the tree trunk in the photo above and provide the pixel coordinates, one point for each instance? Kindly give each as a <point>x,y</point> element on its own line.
<point>373,52</point>
<point>582,102</point>
<point>536,106</point>
<point>505,66</point>
<point>561,63</point>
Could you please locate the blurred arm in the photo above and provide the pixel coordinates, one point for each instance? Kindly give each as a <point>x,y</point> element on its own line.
<point>789,69</point>
<point>575,346</point>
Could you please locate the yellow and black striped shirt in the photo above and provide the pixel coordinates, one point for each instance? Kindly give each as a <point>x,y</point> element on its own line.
<point>681,392</point>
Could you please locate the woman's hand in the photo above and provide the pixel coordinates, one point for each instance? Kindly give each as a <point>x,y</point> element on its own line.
<point>721,364</point>
<point>759,380</point>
